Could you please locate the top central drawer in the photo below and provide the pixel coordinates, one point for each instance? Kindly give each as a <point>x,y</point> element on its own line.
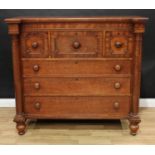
<point>77,44</point>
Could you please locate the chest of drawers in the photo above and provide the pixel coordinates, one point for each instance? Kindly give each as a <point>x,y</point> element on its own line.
<point>77,68</point>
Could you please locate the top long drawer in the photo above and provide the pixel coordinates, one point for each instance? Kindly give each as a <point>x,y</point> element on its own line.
<point>55,67</point>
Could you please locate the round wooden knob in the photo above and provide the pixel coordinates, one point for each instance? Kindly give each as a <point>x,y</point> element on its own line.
<point>117,67</point>
<point>37,85</point>
<point>117,85</point>
<point>76,45</point>
<point>116,105</point>
<point>36,68</point>
<point>34,44</point>
<point>118,44</point>
<point>37,105</point>
<point>76,79</point>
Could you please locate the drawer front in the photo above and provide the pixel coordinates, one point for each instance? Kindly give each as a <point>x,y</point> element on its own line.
<point>86,67</point>
<point>34,45</point>
<point>77,107</point>
<point>77,44</point>
<point>76,86</point>
<point>119,44</point>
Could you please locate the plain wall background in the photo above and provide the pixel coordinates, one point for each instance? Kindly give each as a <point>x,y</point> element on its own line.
<point>148,61</point>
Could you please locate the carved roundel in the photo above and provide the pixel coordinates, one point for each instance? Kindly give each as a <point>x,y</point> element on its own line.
<point>119,43</point>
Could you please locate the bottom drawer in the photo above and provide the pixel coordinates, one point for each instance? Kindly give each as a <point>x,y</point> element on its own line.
<point>77,107</point>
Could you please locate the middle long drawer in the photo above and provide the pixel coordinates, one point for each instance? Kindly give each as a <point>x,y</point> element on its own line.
<point>76,86</point>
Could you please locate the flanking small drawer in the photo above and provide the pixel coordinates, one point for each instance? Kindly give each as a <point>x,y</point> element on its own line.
<point>119,44</point>
<point>71,43</point>
<point>77,107</point>
<point>55,67</point>
<point>74,86</point>
<point>34,44</point>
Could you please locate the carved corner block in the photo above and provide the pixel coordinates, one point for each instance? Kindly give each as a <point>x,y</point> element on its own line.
<point>21,124</point>
<point>13,29</point>
<point>134,121</point>
<point>139,28</point>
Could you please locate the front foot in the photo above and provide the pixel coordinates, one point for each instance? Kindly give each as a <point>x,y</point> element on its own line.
<point>21,124</point>
<point>134,121</point>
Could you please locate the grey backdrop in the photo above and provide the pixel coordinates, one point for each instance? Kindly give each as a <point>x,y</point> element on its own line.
<point>148,65</point>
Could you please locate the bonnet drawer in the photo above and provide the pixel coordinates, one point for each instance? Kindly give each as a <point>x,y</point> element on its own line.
<point>76,44</point>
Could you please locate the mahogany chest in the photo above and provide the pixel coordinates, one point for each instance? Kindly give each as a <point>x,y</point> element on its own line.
<point>77,68</point>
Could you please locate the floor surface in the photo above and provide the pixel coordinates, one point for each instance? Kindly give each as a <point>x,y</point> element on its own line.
<point>77,132</point>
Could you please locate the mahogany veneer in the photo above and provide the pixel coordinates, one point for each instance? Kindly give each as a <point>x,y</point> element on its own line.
<point>77,68</point>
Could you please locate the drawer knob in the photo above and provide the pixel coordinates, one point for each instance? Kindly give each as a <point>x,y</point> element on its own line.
<point>37,85</point>
<point>34,44</point>
<point>117,85</point>
<point>76,45</point>
<point>76,79</point>
<point>117,67</point>
<point>116,105</point>
<point>118,44</point>
<point>36,68</point>
<point>37,105</point>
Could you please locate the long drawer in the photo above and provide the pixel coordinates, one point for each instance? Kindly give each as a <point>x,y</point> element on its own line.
<point>51,67</point>
<point>77,107</point>
<point>75,86</point>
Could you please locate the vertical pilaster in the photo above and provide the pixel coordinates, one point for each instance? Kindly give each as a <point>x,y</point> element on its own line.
<point>17,73</point>
<point>20,120</point>
<point>134,119</point>
<point>137,72</point>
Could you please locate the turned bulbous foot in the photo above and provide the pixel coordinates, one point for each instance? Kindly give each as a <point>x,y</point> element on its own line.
<point>21,128</point>
<point>134,129</point>
<point>134,121</point>
<point>21,124</point>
